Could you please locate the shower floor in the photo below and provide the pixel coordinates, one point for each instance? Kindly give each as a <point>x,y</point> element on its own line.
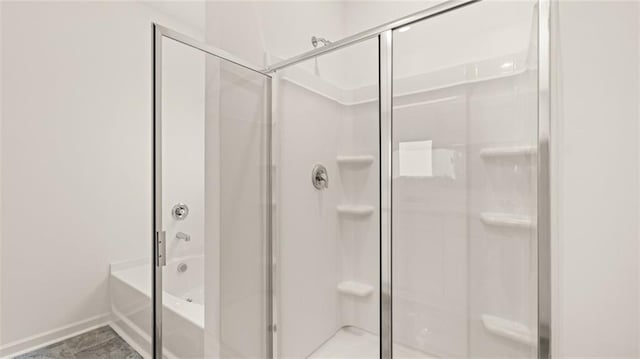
<point>352,342</point>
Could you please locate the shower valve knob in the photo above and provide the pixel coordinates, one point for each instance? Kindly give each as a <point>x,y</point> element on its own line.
<point>320,177</point>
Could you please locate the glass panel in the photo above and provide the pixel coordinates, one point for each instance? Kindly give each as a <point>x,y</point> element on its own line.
<point>215,163</point>
<point>464,183</point>
<point>328,270</point>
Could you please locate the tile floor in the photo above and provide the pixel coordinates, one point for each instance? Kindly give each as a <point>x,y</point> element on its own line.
<point>104,343</point>
<point>100,343</point>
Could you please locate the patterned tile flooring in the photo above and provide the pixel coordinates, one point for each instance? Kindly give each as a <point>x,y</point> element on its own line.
<point>100,343</point>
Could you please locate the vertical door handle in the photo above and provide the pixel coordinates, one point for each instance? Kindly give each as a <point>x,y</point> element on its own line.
<point>161,248</point>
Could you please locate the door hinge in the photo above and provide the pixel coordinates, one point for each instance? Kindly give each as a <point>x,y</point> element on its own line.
<point>161,249</point>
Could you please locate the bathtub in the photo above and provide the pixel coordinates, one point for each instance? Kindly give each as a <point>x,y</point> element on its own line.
<point>183,306</point>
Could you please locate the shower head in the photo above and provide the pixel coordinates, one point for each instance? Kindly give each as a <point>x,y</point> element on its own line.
<point>315,40</point>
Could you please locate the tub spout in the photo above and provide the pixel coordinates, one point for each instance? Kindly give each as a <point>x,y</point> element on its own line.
<point>183,236</point>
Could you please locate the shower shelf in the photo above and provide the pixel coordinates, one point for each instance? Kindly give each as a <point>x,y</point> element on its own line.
<point>506,220</point>
<point>511,151</point>
<point>355,288</point>
<point>364,160</point>
<point>515,331</point>
<point>355,210</point>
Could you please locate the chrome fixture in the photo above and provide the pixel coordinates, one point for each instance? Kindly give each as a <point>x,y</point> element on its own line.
<point>315,40</point>
<point>182,267</point>
<point>183,236</point>
<point>180,211</point>
<point>320,177</point>
<point>385,59</point>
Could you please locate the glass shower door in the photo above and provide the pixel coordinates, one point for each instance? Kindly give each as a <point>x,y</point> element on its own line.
<point>328,236</point>
<point>465,132</point>
<point>212,294</point>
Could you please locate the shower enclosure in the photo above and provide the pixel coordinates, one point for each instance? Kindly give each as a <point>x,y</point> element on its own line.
<point>384,195</point>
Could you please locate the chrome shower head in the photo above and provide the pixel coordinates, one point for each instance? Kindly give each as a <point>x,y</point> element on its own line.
<point>315,40</point>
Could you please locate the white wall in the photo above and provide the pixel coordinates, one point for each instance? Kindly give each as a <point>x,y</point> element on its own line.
<point>76,148</point>
<point>251,29</point>
<point>595,66</point>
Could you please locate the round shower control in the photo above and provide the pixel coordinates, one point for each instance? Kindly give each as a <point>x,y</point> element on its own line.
<point>320,177</point>
<point>180,211</point>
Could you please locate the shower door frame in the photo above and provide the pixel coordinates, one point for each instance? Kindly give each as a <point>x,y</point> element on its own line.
<point>384,33</point>
<point>158,241</point>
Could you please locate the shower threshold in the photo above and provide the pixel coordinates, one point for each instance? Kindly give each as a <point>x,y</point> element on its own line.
<point>353,342</point>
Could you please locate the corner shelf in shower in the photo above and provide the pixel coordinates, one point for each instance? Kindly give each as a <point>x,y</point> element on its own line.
<point>355,210</point>
<point>355,288</point>
<point>360,161</point>
<point>509,329</point>
<point>506,220</point>
<point>510,151</point>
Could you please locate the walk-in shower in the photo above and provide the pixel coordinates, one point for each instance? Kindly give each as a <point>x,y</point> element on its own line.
<point>381,195</point>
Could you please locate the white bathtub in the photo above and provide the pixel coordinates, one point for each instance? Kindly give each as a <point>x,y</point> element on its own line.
<point>183,312</point>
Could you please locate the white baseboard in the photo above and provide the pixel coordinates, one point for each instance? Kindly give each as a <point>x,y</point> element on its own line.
<point>52,336</point>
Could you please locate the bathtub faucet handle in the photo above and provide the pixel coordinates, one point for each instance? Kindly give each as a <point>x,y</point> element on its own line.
<point>184,236</point>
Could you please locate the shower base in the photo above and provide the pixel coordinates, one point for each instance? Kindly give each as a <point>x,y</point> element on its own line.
<point>352,342</point>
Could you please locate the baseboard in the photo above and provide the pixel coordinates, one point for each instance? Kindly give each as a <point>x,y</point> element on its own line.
<point>52,336</point>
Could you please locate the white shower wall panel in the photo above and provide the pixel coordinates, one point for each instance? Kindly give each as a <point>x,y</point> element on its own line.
<point>503,278</point>
<point>308,127</point>
<point>359,240</point>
